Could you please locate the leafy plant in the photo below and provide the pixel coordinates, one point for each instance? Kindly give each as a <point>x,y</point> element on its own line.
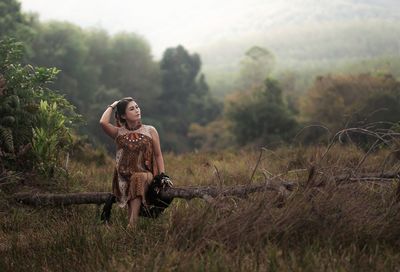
<point>16,98</point>
<point>30,112</point>
<point>51,137</point>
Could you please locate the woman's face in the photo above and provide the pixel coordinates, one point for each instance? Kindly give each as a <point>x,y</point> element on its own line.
<point>132,112</point>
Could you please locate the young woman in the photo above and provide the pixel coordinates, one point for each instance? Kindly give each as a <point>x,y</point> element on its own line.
<point>138,157</point>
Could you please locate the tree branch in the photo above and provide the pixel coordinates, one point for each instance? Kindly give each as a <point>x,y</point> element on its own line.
<point>205,192</point>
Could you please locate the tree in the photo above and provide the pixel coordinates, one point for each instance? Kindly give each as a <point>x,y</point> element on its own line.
<point>97,69</point>
<point>261,115</point>
<point>11,18</point>
<point>179,71</point>
<point>62,45</point>
<point>185,97</point>
<point>349,101</point>
<point>256,65</point>
<point>130,69</point>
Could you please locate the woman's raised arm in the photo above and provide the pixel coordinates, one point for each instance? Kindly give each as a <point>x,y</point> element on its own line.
<point>109,128</point>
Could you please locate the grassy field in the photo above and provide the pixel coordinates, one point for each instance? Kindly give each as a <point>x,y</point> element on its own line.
<point>319,227</point>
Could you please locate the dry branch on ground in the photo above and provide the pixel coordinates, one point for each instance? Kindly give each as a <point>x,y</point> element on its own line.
<point>204,192</point>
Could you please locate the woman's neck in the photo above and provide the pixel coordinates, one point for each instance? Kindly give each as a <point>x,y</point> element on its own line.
<point>133,125</point>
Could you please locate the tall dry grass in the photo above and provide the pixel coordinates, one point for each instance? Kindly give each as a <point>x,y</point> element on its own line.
<point>319,227</point>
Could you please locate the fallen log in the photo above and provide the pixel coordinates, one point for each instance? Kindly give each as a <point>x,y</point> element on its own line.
<point>62,199</point>
<point>212,191</point>
<point>166,195</point>
<point>188,193</point>
<point>204,192</point>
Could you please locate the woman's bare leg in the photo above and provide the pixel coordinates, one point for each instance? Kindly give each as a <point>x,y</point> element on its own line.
<point>130,208</point>
<point>133,211</point>
<point>134,204</point>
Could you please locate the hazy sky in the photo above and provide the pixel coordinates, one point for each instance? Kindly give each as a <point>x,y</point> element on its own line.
<point>163,23</point>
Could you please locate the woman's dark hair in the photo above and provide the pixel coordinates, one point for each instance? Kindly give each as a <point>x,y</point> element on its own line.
<point>121,108</point>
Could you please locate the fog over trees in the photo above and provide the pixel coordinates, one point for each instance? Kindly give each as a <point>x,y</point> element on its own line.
<point>260,77</point>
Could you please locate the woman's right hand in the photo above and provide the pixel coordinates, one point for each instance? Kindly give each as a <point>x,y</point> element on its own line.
<point>114,104</point>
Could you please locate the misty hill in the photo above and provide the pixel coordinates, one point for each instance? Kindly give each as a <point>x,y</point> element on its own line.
<point>307,34</point>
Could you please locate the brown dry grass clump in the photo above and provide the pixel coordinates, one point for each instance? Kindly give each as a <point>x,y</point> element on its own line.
<point>338,216</point>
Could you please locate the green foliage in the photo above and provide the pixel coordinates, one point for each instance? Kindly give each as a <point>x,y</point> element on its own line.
<point>17,94</point>
<point>23,87</point>
<point>186,94</point>
<point>8,106</point>
<point>10,17</point>
<point>51,137</point>
<point>14,23</point>
<point>27,117</point>
<point>130,69</point>
<point>6,139</point>
<point>62,45</point>
<point>179,71</point>
<point>261,116</point>
<point>97,69</point>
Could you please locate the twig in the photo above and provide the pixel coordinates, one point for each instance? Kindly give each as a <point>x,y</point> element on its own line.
<point>366,155</point>
<point>220,181</point>
<point>255,168</point>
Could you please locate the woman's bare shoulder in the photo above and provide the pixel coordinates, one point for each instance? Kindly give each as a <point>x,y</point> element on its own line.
<point>150,127</point>
<point>151,130</point>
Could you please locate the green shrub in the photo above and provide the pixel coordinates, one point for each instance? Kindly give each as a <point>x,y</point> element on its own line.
<point>51,137</point>
<point>261,116</point>
<point>36,121</point>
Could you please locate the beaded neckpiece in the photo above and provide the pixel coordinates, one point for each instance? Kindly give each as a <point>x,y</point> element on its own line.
<point>135,127</point>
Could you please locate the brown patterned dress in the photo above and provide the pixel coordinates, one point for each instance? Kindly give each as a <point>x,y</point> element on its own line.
<point>135,164</point>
